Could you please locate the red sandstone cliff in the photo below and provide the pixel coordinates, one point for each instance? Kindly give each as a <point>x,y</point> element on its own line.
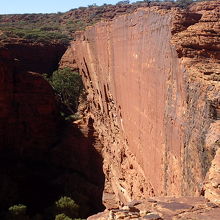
<point>153,89</point>
<point>41,156</point>
<point>29,122</point>
<point>29,115</point>
<point>152,79</point>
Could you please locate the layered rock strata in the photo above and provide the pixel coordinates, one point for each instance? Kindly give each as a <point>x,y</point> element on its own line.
<point>152,79</point>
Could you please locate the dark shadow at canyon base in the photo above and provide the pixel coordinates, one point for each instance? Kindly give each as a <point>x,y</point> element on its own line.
<point>71,167</point>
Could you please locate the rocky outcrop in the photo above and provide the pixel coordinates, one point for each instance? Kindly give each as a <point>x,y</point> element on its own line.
<point>166,208</point>
<point>152,79</point>
<point>29,112</point>
<point>212,184</point>
<point>68,61</point>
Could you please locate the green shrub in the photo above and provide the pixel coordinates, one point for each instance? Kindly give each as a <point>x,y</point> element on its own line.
<point>67,208</point>
<point>62,217</point>
<point>18,212</point>
<point>18,209</point>
<point>44,34</point>
<point>68,87</point>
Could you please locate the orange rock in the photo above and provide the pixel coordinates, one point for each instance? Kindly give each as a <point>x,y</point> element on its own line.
<point>153,92</point>
<point>67,60</point>
<point>166,208</point>
<point>212,184</point>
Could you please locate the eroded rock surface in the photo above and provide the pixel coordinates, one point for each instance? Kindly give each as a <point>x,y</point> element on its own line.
<point>212,184</point>
<point>153,89</point>
<point>68,61</point>
<point>163,209</point>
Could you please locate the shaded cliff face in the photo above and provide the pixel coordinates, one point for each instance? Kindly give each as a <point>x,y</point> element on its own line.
<point>29,112</point>
<point>153,92</point>
<point>36,57</point>
<point>29,115</point>
<point>29,122</point>
<point>41,156</point>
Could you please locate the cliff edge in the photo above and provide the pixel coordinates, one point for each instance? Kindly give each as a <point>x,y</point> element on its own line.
<point>152,79</point>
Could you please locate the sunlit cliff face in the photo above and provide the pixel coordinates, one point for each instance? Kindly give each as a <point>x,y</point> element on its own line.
<point>150,124</point>
<point>152,102</point>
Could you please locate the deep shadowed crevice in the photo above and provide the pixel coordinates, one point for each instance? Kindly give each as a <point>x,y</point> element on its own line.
<point>42,157</point>
<point>73,167</point>
<point>37,58</point>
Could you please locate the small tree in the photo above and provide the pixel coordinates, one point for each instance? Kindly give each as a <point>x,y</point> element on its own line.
<point>18,212</point>
<point>68,87</point>
<point>62,217</point>
<point>66,206</point>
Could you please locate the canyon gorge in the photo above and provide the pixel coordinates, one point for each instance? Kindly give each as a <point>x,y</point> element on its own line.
<point>147,143</point>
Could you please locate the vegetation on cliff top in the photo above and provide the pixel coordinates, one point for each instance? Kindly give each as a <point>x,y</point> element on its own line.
<point>60,27</point>
<point>36,35</point>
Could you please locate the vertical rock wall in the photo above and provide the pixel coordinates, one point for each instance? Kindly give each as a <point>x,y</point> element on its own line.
<point>29,116</point>
<point>153,92</point>
<point>29,121</point>
<point>42,156</point>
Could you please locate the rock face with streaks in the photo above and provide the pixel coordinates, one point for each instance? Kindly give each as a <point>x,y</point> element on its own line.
<point>152,79</point>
